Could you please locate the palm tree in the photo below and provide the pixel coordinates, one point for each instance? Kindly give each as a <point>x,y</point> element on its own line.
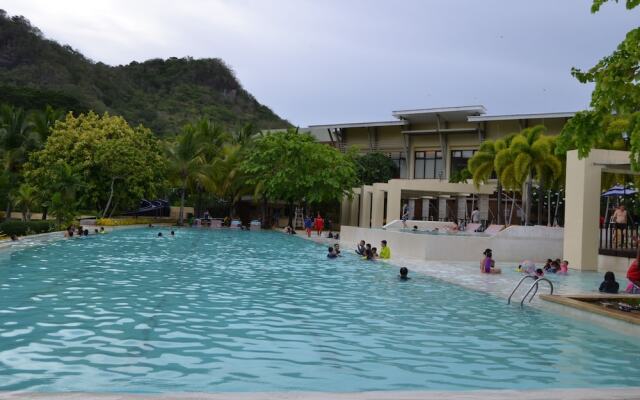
<point>16,140</point>
<point>26,198</point>
<point>43,121</point>
<point>530,156</point>
<point>186,164</point>
<point>483,166</point>
<point>226,178</point>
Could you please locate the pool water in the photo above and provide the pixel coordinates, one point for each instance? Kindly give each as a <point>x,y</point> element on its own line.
<point>213,311</point>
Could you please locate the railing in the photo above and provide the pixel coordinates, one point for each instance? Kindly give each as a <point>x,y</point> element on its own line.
<point>619,240</point>
<point>534,287</point>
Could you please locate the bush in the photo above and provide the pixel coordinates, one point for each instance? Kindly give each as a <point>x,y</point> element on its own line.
<point>21,228</point>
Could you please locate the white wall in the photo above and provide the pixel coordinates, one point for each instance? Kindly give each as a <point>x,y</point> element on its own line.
<point>507,246</point>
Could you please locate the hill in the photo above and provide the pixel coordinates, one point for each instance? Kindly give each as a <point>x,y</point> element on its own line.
<point>160,94</point>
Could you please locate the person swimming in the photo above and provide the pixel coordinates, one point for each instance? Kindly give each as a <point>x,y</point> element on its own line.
<point>361,248</point>
<point>404,272</point>
<point>173,233</point>
<point>331,253</point>
<point>159,234</point>
<point>336,248</point>
<point>609,285</point>
<point>102,231</point>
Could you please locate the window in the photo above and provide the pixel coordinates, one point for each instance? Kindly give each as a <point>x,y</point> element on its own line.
<point>459,159</point>
<point>401,163</point>
<point>428,165</point>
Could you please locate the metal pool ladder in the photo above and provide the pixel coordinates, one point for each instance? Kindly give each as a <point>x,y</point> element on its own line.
<point>534,287</point>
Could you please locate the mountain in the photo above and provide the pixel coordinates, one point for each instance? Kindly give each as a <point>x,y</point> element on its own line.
<point>160,94</point>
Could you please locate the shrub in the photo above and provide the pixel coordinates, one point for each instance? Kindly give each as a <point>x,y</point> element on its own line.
<point>21,228</point>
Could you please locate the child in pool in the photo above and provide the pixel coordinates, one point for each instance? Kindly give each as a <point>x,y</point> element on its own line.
<point>487,265</point>
<point>609,285</point>
<point>564,268</point>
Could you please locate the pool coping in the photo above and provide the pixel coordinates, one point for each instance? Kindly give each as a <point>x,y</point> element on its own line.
<point>576,301</point>
<point>535,394</point>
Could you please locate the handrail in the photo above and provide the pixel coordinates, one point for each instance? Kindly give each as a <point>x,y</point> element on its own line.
<point>518,285</point>
<point>535,285</point>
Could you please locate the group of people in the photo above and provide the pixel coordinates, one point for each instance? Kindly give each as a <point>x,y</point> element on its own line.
<point>172,234</point>
<point>80,231</point>
<point>314,224</point>
<point>367,252</point>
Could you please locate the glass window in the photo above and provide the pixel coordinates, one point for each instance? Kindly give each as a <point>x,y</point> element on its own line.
<point>459,159</point>
<point>428,165</point>
<point>400,162</point>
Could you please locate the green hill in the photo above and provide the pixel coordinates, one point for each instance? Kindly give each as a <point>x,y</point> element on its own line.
<point>161,94</point>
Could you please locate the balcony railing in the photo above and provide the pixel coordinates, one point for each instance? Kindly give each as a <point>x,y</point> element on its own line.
<point>619,240</point>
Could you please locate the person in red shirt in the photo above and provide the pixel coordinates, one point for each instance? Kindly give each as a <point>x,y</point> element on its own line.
<point>319,224</point>
<point>633,273</point>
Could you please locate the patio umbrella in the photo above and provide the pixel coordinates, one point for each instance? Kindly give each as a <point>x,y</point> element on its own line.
<point>619,190</point>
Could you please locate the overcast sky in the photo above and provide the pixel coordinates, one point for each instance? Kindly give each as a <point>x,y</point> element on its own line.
<point>329,61</point>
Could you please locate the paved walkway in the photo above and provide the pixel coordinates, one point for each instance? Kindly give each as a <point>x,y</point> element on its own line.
<point>552,394</point>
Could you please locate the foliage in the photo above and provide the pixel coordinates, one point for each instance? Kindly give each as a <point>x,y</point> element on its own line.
<point>160,94</point>
<point>102,159</point>
<point>295,167</point>
<point>375,167</point>
<point>482,166</point>
<point>615,100</point>
<point>26,200</point>
<point>460,176</point>
<point>22,228</point>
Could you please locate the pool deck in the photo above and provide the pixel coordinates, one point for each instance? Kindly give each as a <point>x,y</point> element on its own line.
<point>551,394</point>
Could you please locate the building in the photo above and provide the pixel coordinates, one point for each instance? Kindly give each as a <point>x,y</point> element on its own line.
<point>429,146</point>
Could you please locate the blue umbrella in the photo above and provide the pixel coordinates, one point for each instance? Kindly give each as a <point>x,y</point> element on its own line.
<point>619,190</point>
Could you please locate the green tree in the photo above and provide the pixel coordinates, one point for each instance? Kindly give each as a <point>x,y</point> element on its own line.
<point>186,164</point>
<point>294,167</point>
<point>119,165</point>
<point>530,156</point>
<point>615,100</point>
<point>375,167</point>
<point>26,199</point>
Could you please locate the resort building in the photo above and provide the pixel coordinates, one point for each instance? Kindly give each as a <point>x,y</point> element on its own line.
<point>429,147</point>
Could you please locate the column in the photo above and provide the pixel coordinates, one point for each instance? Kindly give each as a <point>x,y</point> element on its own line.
<point>393,203</point>
<point>365,208</point>
<point>354,211</point>
<point>425,209</point>
<point>483,206</point>
<point>345,206</point>
<point>582,208</point>
<point>442,208</point>
<point>377,209</point>
<point>461,212</point>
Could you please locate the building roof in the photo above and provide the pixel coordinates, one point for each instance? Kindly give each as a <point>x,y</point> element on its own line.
<point>445,113</point>
<point>359,124</point>
<point>481,118</point>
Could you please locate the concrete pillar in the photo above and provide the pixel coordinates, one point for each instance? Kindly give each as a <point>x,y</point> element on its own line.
<point>412,208</point>
<point>393,203</point>
<point>582,208</point>
<point>377,209</point>
<point>483,207</point>
<point>462,207</point>
<point>345,207</point>
<point>442,208</point>
<point>354,211</point>
<point>365,208</point>
<point>425,209</point>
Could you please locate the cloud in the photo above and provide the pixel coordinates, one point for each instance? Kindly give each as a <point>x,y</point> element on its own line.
<point>339,61</point>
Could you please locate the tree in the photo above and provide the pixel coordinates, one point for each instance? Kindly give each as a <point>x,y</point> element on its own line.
<point>530,156</point>
<point>375,167</point>
<point>186,164</point>
<point>294,167</point>
<point>482,166</point>
<point>615,100</point>
<point>26,199</point>
<point>119,165</point>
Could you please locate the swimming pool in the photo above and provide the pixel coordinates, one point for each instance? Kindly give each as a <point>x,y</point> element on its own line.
<point>214,311</point>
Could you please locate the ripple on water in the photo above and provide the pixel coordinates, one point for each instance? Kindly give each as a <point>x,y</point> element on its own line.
<point>256,311</point>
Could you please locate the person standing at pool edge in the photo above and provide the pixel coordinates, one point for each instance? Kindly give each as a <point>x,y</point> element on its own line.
<point>319,224</point>
<point>405,215</point>
<point>385,251</point>
<point>308,225</point>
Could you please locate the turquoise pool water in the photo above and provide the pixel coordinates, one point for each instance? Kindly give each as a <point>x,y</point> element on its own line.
<point>255,311</point>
